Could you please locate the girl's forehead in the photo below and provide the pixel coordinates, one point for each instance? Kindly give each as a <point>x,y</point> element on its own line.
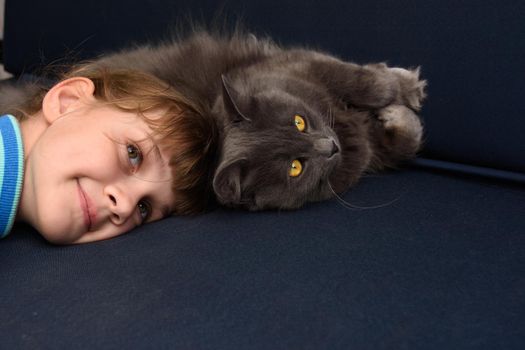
<point>129,123</point>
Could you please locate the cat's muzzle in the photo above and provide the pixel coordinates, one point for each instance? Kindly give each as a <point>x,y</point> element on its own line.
<point>327,146</point>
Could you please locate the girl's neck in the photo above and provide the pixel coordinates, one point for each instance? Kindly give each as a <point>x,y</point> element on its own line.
<point>31,129</point>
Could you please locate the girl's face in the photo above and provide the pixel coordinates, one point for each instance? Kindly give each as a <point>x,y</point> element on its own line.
<point>93,174</point>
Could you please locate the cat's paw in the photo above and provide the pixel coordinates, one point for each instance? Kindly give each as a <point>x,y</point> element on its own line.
<point>412,89</point>
<point>401,122</point>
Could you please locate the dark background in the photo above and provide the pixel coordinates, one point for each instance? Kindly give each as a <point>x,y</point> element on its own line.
<point>470,51</point>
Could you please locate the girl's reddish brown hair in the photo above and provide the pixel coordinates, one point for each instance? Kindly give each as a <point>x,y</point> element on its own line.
<point>183,129</point>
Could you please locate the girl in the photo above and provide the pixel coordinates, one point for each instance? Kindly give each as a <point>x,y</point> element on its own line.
<point>100,153</point>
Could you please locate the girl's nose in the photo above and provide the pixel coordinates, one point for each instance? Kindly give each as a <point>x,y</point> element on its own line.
<point>121,204</point>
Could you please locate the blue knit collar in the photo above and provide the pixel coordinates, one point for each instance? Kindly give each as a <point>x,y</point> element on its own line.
<point>11,171</point>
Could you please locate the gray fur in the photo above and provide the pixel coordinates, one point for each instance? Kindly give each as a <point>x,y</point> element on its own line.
<point>253,88</point>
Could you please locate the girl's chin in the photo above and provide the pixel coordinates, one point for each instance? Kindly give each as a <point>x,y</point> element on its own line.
<point>59,235</point>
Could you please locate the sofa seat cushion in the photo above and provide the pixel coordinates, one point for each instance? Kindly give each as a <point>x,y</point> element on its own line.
<point>439,263</point>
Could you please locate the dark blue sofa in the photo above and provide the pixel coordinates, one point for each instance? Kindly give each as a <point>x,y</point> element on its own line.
<point>440,264</point>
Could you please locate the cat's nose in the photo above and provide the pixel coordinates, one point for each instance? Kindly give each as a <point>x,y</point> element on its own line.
<point>327,147</point>
<point>335,149</point>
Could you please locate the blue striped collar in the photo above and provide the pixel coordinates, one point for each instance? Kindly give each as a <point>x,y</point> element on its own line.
<point>11,171</point>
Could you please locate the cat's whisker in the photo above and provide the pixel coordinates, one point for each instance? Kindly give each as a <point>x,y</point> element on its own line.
<point>356,207</point>
<point>331,118</point>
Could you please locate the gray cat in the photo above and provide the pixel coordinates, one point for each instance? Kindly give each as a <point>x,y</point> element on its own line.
<point>295,125</point>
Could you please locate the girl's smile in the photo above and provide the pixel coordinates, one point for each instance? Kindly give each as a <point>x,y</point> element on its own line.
<point>89,211</point>
<point>94,171</point>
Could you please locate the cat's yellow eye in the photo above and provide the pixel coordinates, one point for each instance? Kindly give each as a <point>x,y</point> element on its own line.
<point>296,169</point>
<point>299,122</point>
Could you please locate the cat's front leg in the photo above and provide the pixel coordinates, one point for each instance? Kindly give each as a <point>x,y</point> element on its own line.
<point>397,134</point>
<point>400,122</point>
<point>412,88</point>
<point>377,85</point>
<point>371,86</point>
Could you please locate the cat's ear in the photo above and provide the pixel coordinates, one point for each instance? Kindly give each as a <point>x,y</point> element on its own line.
<point>227,183</point>
<point>231,97</point>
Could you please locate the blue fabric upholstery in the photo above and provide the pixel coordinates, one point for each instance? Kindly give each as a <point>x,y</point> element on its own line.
<point>437,262</point>
<point>439,266</point>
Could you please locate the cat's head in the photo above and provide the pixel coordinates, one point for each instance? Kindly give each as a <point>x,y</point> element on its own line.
<point>278,149</point>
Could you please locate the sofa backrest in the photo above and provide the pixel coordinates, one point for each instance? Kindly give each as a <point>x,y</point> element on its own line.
<point>472,52</point>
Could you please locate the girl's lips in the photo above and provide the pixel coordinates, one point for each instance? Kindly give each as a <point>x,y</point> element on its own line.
<point>87,208</point>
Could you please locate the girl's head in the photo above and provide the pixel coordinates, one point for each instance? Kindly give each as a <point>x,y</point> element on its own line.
<point>108,150</point>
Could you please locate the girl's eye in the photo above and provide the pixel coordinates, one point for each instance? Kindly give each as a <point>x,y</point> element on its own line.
<point>299,122</point>
<point>296,169</point>
<point>144,210</point>
<point>134,155</point>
